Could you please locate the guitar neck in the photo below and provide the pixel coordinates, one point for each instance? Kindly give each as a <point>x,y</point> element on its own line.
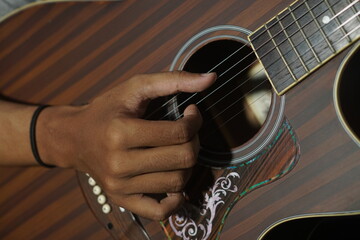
<point>303,37</point>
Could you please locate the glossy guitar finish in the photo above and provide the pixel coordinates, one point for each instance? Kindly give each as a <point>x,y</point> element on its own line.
<point>60,53</point>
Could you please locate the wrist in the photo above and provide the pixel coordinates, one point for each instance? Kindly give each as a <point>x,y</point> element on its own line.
<point>33,141</point>
<point>55,135</point>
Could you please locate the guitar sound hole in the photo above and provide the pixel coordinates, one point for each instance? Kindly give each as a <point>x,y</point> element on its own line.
<point>313,228</point>
<point>236,106</point>
<point>348,92</point>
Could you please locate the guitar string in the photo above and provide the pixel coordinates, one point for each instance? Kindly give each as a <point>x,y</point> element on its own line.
<point>242,83</point>
<point>212,69</point>
<point>194,94</point>
<point>238,86</point>
<point>237,100</point>
<point>320,42</point>
<point>172,99</point>
<point>236,51</point>
<point>243,109</point>
<point>245,69</point>
<point>233,116</point>
<point>222,85</point>
<point>290,49</point>
<point>239,112</point>
<point>303,54</point>
<point>255,88</point>
<point>222,74</point>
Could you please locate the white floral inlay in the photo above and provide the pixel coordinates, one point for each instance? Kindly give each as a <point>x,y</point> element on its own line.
<point>185,227</point>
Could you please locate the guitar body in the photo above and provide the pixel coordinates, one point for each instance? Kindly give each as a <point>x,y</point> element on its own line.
<point>68,52</point>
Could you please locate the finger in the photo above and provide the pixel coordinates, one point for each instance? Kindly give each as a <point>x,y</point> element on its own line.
<point>150,86</point>
<point>159,182</point>
<point>144,133</point>
<point>161,159</point>
<point>151,208</point>
<point>163,84</point>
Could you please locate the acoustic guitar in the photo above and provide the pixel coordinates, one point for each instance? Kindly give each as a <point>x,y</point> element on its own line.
<point>280,139</point>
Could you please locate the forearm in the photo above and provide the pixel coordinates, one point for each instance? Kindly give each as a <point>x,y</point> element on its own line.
<point>53,130</point>
<point>57,135</point>
<point>15,148</point>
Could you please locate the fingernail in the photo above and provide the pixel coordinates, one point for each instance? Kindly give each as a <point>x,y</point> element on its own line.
<point>207,74</point>
<point>172,194</point>
<point>192,110</point>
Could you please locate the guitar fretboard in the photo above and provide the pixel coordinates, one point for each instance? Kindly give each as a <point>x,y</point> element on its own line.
<point>303,37</point>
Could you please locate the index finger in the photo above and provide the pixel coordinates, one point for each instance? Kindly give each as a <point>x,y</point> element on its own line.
<point>155,85</point>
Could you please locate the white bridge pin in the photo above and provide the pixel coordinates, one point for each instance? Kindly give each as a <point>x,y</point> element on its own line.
<point>106,208</point>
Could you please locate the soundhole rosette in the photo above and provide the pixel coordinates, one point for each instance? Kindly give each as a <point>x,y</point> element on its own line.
<point>240,111</point>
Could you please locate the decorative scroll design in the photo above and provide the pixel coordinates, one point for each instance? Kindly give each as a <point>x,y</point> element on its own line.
<point>185,227</point>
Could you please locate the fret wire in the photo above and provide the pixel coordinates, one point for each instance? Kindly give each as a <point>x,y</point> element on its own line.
<point>280,53</point>
<point>319,27</point>
<point>292,44</point>
<point>337,20</point>
<point>305,38</point>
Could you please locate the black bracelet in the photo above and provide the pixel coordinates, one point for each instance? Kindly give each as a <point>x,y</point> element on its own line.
<point>33,136</point>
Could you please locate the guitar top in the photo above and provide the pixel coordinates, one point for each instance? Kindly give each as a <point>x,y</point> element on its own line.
<point>298,156</point>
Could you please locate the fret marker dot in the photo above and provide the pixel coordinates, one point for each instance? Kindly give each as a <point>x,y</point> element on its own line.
<point>326,19</point>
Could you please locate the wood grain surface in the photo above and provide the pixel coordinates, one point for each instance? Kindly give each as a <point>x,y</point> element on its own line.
<point>68,52</point>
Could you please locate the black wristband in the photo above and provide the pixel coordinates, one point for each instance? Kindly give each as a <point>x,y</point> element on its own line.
<point>33,136</point>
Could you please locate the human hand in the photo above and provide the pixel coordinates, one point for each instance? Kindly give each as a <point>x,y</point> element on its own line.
<point>128,156</point>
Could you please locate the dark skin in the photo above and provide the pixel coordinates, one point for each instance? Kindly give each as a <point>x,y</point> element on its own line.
<point>107,138</point>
